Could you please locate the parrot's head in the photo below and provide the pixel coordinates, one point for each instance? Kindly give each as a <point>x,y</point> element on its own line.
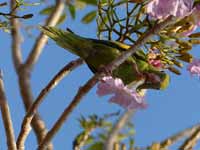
<point>158,81</point>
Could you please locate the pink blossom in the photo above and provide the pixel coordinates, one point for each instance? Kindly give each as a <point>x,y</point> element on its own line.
<point>122,95</point>
<point>189,31</point>
<point>161,9</point>
<point>194,67</point>
<point>194,20</point>
<point>156,63</point>
<point>196,15</point>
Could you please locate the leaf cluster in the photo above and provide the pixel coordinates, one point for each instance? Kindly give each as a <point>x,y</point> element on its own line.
<point>71,8</point>
<point>96,130</point>
<point>6,16</point>
<point>126,21</point>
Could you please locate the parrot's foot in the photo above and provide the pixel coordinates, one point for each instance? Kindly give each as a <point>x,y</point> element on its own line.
<point>105,70</point>
<point>153,78</point>
<point>138,73</point>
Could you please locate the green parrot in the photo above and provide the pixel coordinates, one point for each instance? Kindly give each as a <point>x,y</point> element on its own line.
<point>97,53</point>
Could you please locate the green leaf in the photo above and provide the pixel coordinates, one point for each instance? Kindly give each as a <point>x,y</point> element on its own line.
<point>72,11</point>
<point>102,136</point>
<point>131,142</point>
<point>96,146</point>
<point>104,2</point>
<point>31,4</point>
<point>131,132</point>
<point>107,124</point>
<point>89,140</point>
<point>19,2</point>
<point>89,17</point>
<point>91,2</point>
<point>122,136</point>
<point>27,16</point>
<point>47,10</point>
<point>101,23</point>
<point>4,24</point>
<point>62,19</point>
<point>84,136</point>
<point>80,5</point>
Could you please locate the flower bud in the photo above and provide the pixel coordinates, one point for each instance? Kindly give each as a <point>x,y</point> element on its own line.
<point>174,70</point>
<point>27,16</point>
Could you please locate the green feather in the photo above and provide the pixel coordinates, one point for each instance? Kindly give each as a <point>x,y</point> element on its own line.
<point>97,53</point>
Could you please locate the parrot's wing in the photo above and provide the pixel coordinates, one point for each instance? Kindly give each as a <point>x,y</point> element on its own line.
<point>123,47</point>
<point>113,44</point>
<point>68,40</point>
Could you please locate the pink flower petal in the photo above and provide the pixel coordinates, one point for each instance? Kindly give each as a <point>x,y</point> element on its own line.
<point>109,85</point>
<point>161,9</point>
<point>129,100</point>
<point>196,15</point>
<point>122,95</point>
<point>194,67</point>
<point>194,19</point>
<point>190,31</point>
<point>156,63</point>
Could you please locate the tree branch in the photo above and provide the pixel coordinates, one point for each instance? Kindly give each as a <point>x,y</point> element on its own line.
<point>24,73</point>
<point>175,138</point>
<point>141,41</point>
<point>109,144</point>
<point>16,39</point>
<point>7,121</point>
<point>42,39</point>
<point>83,90</point>
<point>90,83</point>
<point>25,129</point>
<point>80,94</point>
<point>192,140</point>
<point>25,89</point>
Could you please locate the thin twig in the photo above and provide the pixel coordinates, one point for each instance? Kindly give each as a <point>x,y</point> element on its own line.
<point>116,129</point>
<point>90,83</point>
<point>42,39</point>
<point>23,75</point>
<point>180,135</point>
<point>3,4</point>
<point>16,39</point>
<point>141,41</point>
<point>11,15</point>
<point>80,141</point>
<point>26,92</point>
<point>7,121</point>
<point>192,140</point>
<point>82,91</point>
<point>25,129</point>
<point>78,144</point>
<point>80,94</point>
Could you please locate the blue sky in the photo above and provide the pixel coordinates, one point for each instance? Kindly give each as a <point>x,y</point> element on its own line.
<point>169,111</point>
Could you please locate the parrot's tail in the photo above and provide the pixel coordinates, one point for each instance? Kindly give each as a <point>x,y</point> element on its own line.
<point>68,40</point>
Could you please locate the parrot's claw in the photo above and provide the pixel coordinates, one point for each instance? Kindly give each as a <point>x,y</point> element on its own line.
<point>153,78</point>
